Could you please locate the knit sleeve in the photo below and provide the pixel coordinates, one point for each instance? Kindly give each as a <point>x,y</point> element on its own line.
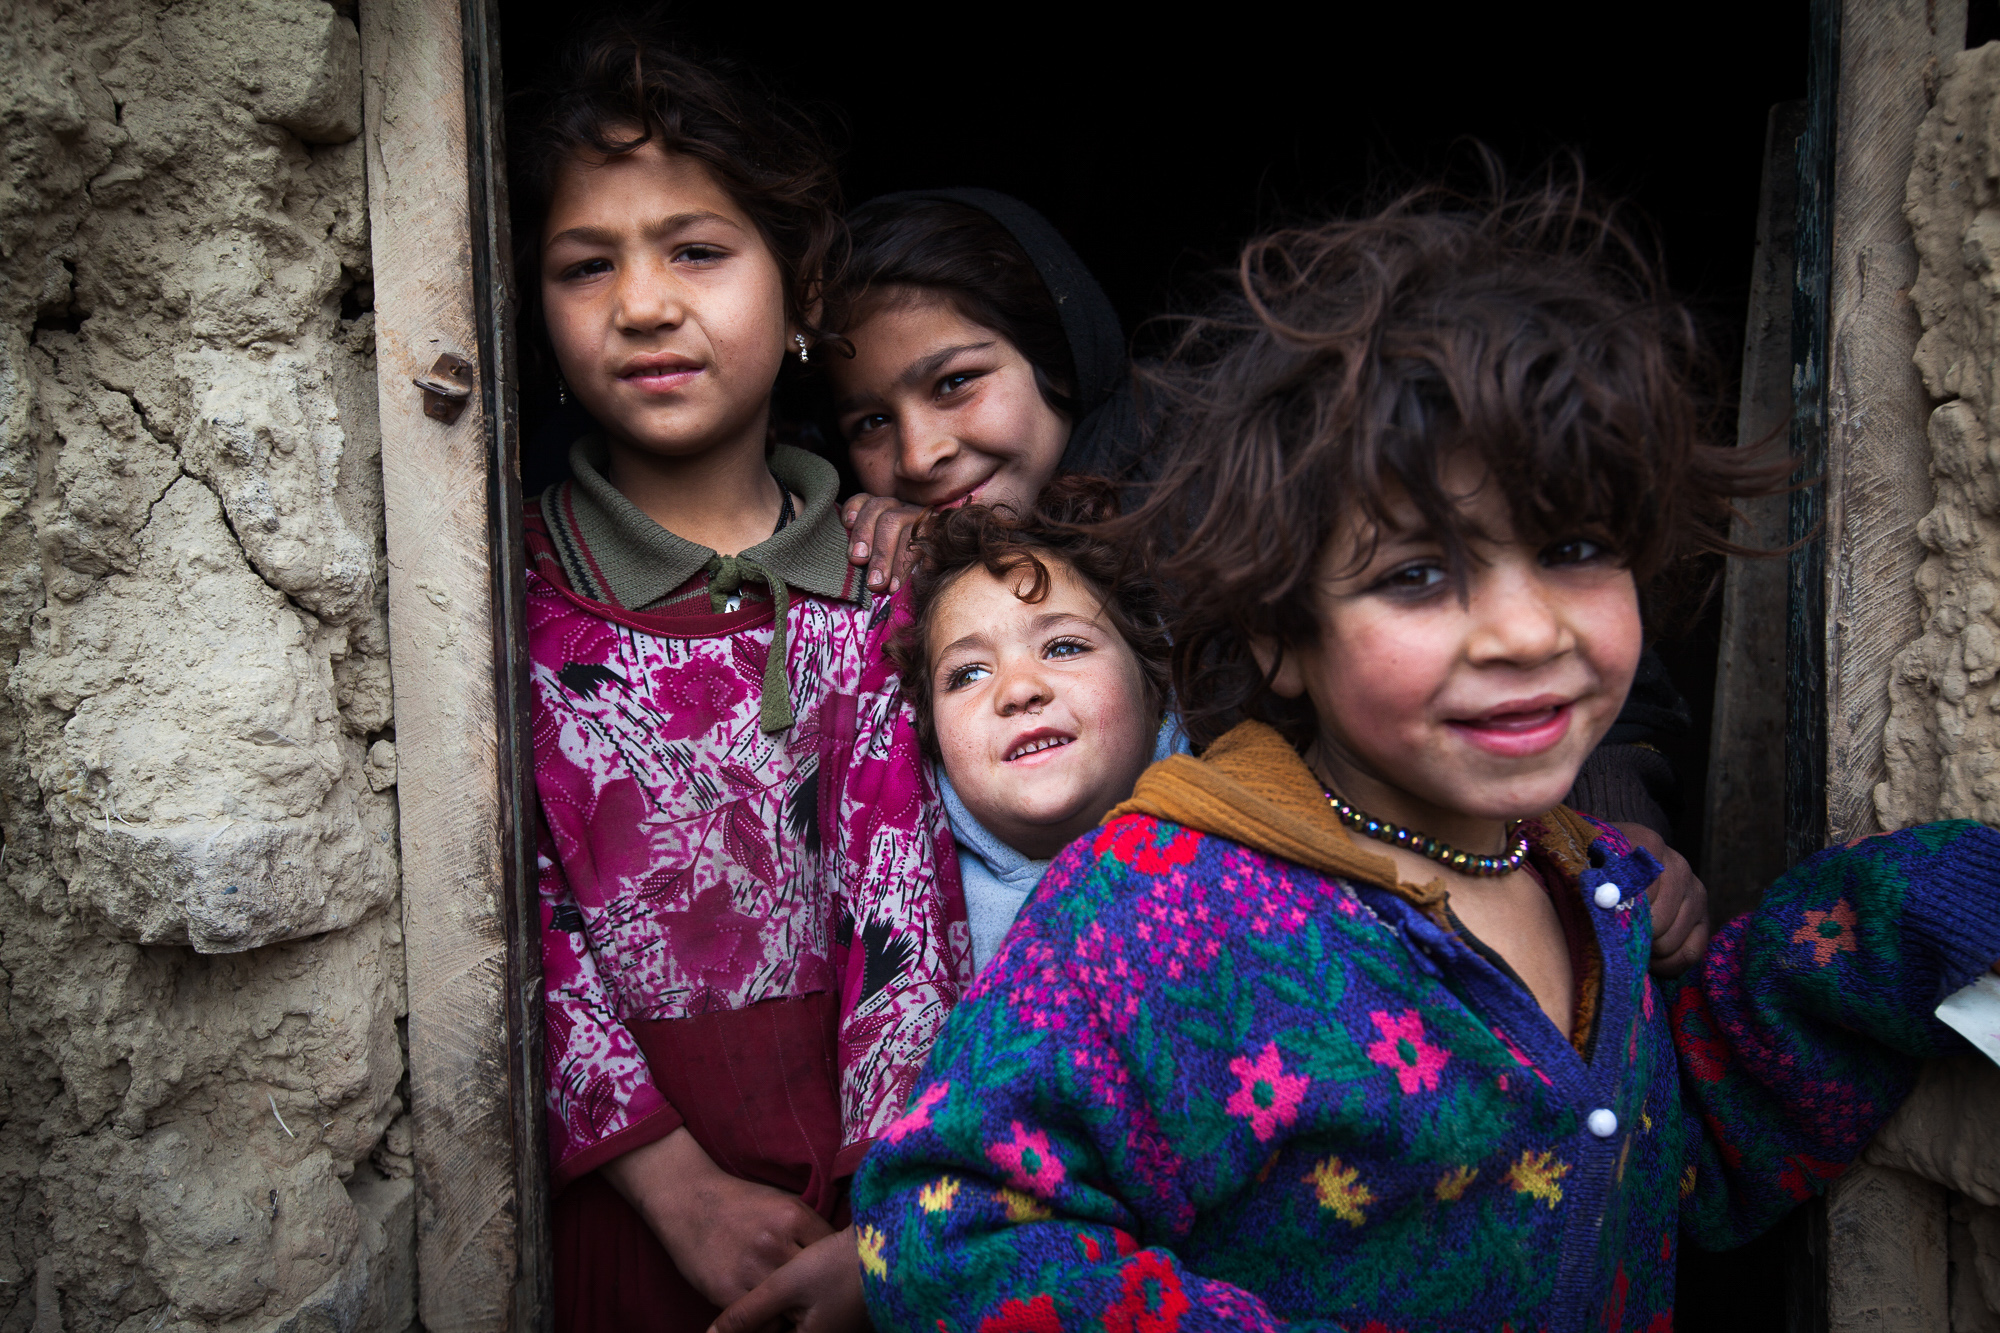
<point>908,953</point>
<point>1010,1197</point>
<point>1803,1029</point>
<point>602,1101</point>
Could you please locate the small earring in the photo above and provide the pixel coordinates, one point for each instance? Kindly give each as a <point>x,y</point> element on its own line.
<point>800,339</point>
<point>562,390</point>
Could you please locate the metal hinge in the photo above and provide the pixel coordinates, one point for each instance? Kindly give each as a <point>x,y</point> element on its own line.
<point>447,386</point>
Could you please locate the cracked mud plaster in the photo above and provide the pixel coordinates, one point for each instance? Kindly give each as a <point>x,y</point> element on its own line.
<point>200,951</point>
<point>1942,741</point>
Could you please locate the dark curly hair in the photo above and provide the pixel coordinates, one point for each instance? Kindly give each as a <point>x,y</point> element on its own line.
<point>1061,528</point>
<point>621,85</point>
<point>1349,363</point>
<point>957,253</point>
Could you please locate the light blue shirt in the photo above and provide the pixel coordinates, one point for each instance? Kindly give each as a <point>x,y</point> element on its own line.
<point>997,878</point>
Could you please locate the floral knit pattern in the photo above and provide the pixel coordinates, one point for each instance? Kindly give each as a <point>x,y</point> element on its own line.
<point>692,863</point>
<point>1201,1089</point>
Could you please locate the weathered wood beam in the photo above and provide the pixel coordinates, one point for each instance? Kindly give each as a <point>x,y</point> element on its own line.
<point>1886,1230</point>
<point>457,771</point>
<point>1743,844</point>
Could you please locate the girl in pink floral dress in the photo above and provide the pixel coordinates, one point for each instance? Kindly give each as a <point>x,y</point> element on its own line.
<point>752,926</point>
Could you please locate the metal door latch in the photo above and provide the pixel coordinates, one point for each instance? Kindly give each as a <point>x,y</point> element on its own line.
<point>447,385</point>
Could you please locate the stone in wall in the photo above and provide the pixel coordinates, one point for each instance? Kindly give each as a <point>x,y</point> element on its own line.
<point>1942,740</point>
<point>200,951</point>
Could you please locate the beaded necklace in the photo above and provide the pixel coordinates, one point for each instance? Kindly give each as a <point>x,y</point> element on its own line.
<point>1465,863</point>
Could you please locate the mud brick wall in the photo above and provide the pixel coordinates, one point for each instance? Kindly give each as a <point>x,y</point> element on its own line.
<point>200,951</point>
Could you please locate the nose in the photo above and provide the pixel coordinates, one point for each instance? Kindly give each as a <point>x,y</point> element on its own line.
<point>1516,618</point>
<point>1024,688</point>
<point>648,299</point>
<point>923,446</point>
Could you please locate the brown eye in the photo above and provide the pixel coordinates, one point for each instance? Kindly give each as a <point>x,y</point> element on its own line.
<point>1417,576</point>
<point>1572,551</point>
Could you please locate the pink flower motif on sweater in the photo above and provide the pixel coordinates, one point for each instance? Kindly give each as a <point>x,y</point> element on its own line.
<point>1267,1097</point>
<point>1403,1049</point>
<point>918,1116</point>
<point>1029,1162</point>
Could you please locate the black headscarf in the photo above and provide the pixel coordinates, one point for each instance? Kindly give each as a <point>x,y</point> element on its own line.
<point>1106,427</point>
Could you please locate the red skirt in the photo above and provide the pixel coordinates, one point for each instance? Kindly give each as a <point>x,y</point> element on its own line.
<point>759,1090</point>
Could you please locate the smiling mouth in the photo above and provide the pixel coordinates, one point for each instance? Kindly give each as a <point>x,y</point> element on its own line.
<point>1519,732</point>
<point>1037,745</point>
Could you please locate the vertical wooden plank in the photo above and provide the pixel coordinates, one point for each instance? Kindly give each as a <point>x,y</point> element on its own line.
<point>1805,618</point>
<point>497,309</point>
<point>442,634</point>
<point>1886,1248</point>
<point>1877,449</point>
<point>1743,843</point>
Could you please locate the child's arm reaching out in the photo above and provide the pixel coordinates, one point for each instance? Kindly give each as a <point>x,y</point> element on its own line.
<point>1803,1028</point>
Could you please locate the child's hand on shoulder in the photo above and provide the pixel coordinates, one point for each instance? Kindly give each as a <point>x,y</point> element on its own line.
<point>1680,905</point>
<point>879,530</point>
<point>725,1234</point>
<point>819,1291</point>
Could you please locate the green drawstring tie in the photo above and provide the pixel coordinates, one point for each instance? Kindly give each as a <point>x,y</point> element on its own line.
<point>725,580</point>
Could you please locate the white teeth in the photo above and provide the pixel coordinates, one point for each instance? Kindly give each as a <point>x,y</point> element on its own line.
<point>1036,747</point>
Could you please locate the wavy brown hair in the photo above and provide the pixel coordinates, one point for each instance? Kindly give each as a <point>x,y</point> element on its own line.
<point>1062,529</point>
<point>1349,363</point>
<point>621,85</point>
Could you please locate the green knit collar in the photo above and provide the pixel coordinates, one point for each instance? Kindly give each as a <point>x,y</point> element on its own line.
<point>611,552</point>
<point>633,562</point>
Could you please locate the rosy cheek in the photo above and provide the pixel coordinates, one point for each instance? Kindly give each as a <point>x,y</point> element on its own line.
<point>1380,688</point>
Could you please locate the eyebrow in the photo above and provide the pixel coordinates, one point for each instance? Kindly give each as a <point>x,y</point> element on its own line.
<point>978,638</point>
<point>916,372</point>
<point>665,226</point>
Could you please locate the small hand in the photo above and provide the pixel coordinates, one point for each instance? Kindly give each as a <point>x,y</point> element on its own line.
<point>879,530</point>
<point>819,1291</point>
<point>1680,905</point>
<point>725,1234</point>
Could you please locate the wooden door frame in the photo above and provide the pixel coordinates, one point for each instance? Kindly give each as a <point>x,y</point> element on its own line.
<point>438,224</point>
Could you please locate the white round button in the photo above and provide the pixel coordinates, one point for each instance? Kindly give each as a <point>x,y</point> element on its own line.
<point>1602,1122</point>
<point>1607,896</point>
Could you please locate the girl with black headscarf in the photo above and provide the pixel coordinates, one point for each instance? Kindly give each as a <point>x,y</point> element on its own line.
<point>986,357</point>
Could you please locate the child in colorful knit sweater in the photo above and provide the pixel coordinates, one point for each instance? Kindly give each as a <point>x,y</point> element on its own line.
<point>751,928</point>
<point>1346,1024</point>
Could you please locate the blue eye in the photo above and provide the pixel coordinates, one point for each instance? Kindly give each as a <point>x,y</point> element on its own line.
<point>1066,648</point>
<point>966,675</point>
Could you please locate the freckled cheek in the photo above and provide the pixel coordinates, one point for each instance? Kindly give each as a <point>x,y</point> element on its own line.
<point>963,742</point>
<point>1616,635</point>
<point>569,332</point>
<point>1112,710</point>
<point>1380,684</point>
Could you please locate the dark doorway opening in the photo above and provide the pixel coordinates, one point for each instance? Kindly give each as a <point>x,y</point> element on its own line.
<point>1157,145</point>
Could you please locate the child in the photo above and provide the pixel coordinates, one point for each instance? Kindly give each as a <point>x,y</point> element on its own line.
<point>1037,666</point>
<point>985,355</point>
<point>751,923</point>
<point>1346,1024</point>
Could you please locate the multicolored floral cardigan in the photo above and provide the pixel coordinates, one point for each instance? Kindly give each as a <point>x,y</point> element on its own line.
<point>1203,1087</point>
